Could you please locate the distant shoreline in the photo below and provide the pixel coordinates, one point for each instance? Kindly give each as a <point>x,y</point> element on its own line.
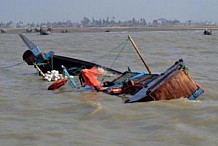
<point>115,29</point>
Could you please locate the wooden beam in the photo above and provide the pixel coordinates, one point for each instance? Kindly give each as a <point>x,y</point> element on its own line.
<point>138,52</point>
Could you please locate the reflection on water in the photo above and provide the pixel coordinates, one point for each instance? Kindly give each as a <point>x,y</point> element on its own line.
<point>32,115</point>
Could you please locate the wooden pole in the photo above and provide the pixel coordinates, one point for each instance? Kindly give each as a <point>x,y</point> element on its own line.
<point>138,52</point>
<point>39,70</point>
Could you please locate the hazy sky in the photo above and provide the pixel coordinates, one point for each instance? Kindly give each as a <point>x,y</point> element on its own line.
<point>61,10</point>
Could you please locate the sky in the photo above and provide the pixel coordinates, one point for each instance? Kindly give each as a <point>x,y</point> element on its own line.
<point>38,11</point>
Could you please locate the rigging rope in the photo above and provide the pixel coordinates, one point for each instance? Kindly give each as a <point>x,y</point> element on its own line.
<point>122,46</point>
<point>119,53</point>
<point>12,65</point>
<point>112,50</point>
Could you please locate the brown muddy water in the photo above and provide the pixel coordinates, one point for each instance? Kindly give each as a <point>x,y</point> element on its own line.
<point>30,115</point>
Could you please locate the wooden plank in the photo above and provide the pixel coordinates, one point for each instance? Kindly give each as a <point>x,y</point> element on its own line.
<point>180,85</point>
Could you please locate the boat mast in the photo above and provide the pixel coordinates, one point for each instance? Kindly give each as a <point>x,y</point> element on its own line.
<point>138,52</point>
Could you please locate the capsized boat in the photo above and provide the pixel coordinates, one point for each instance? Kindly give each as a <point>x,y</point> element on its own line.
<point>176,82</point>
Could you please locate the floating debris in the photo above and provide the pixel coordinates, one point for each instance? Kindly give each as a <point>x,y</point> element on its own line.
<point>53,75</point>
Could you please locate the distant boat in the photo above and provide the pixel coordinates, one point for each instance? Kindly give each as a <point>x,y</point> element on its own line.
<point>37,29</point>
<point>64,31</point>
<point>44,30</point>
<point>207,32</point>
<point>29,30</point>
<point>3,30</point>
<point>108,30</point>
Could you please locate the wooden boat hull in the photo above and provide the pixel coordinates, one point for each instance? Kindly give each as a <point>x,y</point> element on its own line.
<point>174,83</point>
<point>74,66</point>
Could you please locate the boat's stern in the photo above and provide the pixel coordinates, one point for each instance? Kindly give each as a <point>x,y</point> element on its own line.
<point>176,82</point>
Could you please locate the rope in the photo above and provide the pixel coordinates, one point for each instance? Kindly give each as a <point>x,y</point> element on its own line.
<point>12,65</point>
<point>122,46</point>
<point>112,50</point>
<point>119,54</point>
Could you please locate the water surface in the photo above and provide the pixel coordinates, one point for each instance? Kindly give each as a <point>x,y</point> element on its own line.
<point>32,115</point>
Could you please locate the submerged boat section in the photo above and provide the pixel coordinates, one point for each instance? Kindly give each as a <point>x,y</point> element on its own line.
<point>174,83</point>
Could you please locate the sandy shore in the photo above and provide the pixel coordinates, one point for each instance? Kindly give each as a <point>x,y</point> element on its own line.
<point>116,29</point>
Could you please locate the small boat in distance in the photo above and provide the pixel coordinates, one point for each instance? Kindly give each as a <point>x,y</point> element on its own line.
<point>3,30</point>
<point>44,30</point>
<point>29,30</point>
<point>207,31</point>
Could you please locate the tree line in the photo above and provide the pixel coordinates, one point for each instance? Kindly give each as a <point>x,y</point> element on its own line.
<point>102,22</point>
